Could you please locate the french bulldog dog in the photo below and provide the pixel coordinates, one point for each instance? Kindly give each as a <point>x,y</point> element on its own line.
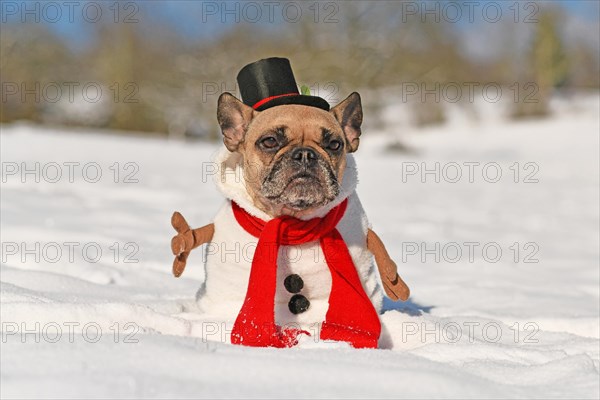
<point>290,163</point>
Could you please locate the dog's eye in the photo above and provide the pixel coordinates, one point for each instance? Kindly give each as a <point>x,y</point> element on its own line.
<point>269,142</point>
<point>335,145</point>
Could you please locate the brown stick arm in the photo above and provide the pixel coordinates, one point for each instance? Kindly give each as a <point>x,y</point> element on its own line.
<point>186,240</point>
<point>393,285</point>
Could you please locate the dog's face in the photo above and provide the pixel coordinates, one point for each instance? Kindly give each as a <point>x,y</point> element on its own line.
<point>294,155</point>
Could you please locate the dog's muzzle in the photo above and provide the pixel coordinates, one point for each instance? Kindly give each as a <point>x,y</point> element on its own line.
<point>301,179</point>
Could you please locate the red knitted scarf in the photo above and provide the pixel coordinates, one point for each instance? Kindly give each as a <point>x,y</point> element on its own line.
<point>351,316</point>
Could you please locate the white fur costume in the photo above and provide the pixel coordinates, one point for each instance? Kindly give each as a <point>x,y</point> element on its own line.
<point>230,253</point>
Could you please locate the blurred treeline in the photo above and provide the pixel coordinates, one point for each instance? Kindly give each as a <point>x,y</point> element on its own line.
<point>154,78</point>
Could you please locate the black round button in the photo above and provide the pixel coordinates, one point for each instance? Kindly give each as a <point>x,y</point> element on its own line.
<point>298,304</point>
<point>293,283</point>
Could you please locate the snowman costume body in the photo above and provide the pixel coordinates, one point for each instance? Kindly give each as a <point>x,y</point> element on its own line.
<point>231,251</point>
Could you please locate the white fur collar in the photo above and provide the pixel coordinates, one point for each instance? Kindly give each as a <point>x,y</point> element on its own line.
<point>230,181</point>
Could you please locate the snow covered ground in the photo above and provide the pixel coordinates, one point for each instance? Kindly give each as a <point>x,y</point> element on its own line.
<point>504,270</point>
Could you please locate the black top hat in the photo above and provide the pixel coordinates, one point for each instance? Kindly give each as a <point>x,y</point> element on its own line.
<point>270,82</point>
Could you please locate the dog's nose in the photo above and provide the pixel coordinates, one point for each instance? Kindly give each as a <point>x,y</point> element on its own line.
<point>305,155</point>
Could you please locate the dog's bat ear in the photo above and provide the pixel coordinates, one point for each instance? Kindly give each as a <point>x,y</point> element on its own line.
<point>349,114</point>
<point>234,118</point>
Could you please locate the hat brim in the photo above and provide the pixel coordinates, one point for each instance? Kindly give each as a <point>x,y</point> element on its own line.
<point>300,99</point>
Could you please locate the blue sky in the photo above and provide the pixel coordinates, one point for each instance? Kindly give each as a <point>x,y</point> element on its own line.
<point>198,20</point>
